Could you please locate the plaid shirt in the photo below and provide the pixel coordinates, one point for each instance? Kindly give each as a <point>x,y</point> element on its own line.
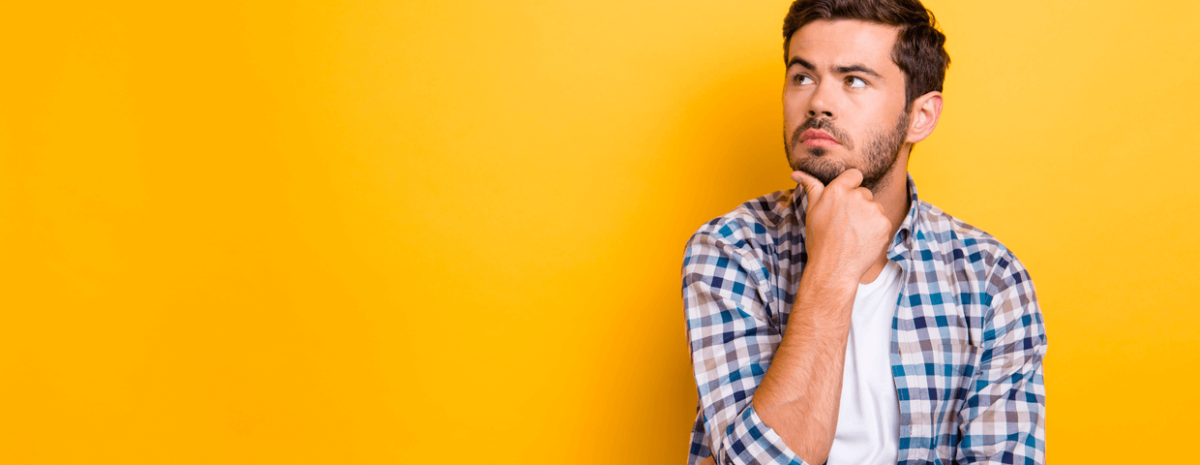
<point>967,337</point>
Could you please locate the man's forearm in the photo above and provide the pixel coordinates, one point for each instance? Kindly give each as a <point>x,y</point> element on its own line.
<point>801,391</point>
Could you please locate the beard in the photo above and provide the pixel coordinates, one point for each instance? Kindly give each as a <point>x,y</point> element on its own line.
<point>878,156</point>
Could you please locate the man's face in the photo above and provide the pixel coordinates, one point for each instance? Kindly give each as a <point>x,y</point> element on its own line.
<point>843,100</point>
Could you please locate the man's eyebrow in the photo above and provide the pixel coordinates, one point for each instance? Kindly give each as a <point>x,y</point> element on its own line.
<point>801,62</point>
<point>856,68</point>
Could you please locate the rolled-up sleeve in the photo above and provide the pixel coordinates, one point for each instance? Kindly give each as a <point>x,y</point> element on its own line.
<point>1003,418</point>
<point>731,340</point>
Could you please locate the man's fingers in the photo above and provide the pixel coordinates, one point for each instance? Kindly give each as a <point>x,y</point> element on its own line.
<point>812,186</point>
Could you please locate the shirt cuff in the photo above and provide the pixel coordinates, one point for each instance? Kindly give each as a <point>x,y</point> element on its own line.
<point>750,441</point>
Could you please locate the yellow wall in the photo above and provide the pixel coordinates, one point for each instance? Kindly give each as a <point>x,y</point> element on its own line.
<point>451,232</point>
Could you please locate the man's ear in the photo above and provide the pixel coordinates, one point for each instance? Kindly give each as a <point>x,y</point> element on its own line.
<point>924,116</point>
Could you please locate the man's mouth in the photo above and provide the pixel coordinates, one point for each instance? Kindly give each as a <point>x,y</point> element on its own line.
<point>818,138</point>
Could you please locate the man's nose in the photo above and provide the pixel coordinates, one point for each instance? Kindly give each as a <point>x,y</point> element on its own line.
<point>821,103</point>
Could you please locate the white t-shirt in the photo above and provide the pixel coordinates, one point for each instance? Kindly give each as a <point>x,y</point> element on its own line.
<point>868,427</point>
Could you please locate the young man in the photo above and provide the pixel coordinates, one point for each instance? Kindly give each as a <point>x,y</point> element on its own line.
<point>847,321</point>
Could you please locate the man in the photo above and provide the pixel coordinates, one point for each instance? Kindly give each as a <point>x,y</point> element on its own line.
<point>847,321</point>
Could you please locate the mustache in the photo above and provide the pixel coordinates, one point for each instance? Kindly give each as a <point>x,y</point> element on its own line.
<point>822,124</point>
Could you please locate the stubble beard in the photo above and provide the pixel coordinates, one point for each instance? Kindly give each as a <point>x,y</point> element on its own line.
<point>879,154</point>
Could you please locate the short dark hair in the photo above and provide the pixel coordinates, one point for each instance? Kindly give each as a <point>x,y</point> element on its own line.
<point>920,49</point>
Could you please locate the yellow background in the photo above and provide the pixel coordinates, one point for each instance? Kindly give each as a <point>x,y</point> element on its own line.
<point>451,232</point>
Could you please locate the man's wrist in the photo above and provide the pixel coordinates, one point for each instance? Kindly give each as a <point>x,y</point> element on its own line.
<point>834,271</point>
<point>823,305</point>
<point>828,282</point>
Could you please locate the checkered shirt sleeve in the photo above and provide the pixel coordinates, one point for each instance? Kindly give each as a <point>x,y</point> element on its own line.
<point>1003,419</point>
<point>725,289</point>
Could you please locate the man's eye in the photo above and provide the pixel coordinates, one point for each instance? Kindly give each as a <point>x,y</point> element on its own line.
<point>802,79</point>
<point>855,82</point>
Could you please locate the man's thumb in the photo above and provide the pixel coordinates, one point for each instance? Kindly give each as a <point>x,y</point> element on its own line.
<point>811,186</point>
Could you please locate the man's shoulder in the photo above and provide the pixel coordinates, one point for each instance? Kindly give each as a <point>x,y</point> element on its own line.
<point>753,223</point>
<point>957,240</point>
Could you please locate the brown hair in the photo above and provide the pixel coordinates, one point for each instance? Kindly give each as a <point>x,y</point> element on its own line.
<point>920,50</point>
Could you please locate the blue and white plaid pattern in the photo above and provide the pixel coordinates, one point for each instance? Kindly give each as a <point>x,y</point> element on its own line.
<point>967,338</point>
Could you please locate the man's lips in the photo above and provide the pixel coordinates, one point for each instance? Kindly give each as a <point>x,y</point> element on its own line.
<point>817,138</point>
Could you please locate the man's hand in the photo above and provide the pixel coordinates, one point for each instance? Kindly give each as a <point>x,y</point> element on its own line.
<point>846,230</point>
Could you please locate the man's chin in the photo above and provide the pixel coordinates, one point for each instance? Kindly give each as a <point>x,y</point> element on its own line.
<point>818,162</point>
<point>822,173</point>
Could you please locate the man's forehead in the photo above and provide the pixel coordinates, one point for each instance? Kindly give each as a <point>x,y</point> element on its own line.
<point>842,42</point>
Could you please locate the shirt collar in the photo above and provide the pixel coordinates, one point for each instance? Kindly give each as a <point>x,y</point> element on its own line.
<point>905,239</point>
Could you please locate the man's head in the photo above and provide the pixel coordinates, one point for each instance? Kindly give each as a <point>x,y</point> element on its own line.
<point>864,81</point>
